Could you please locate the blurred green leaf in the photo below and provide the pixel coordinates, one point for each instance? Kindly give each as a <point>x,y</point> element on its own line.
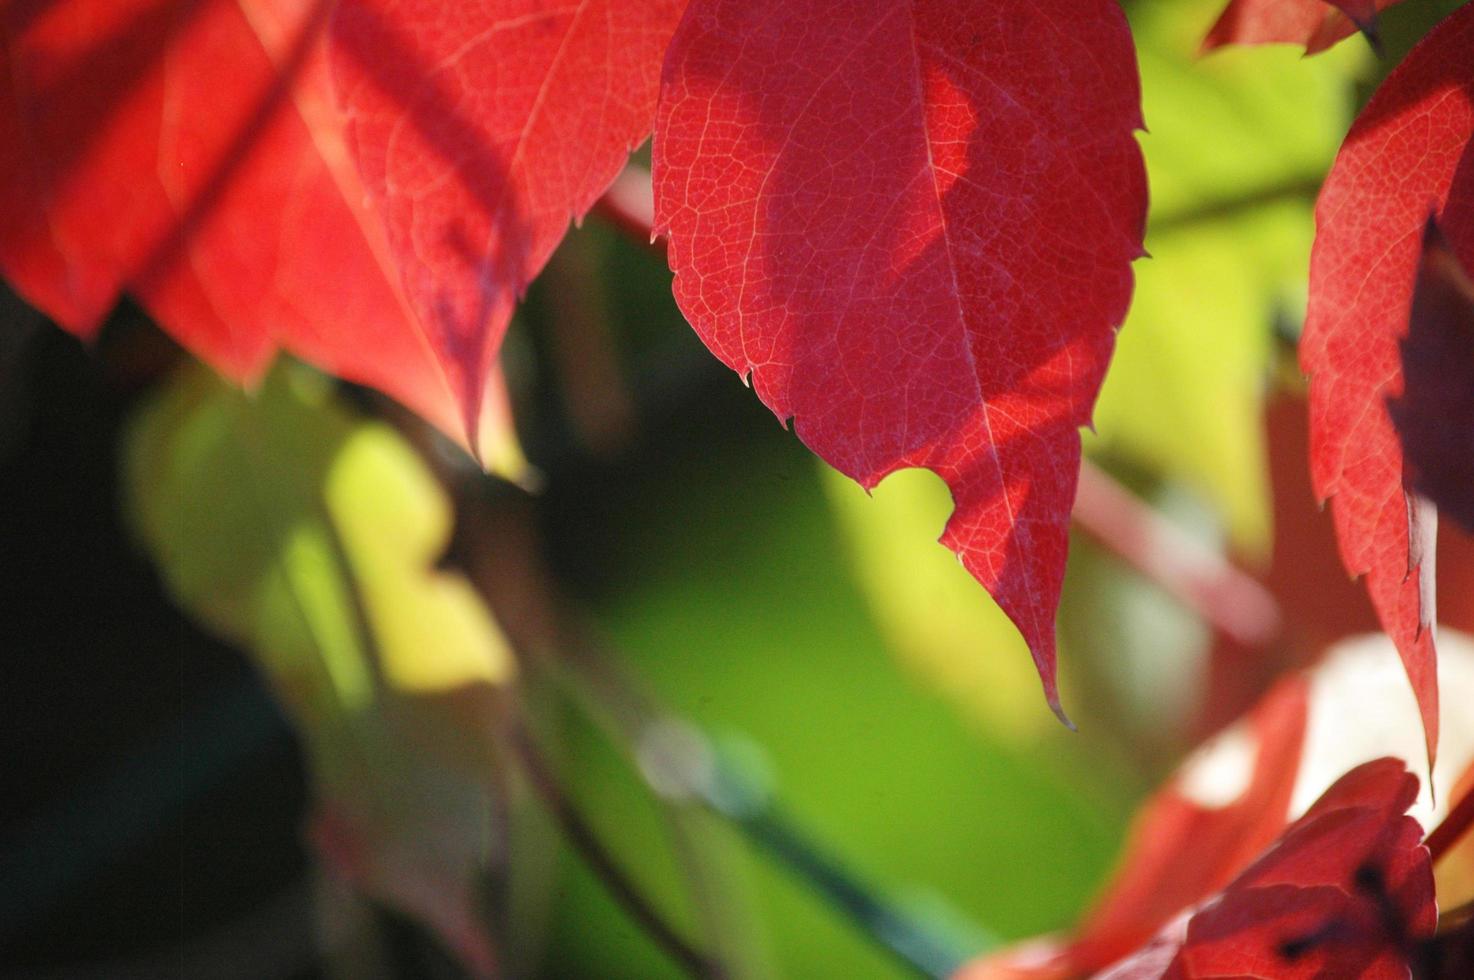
<point>308,538</point>
<point>738,609</point>
<point>1238,142</point>
<point>931,611</point>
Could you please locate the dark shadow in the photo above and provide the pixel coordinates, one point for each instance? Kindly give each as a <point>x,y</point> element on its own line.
<point>1434,416</point>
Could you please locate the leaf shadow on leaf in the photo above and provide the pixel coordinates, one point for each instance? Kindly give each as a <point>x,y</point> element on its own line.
<point>936,303</point>
<point>86,91</point>
<point>497,265</point>
<point>274,100</point>
<point>80,105</point>
<point>81,99</point>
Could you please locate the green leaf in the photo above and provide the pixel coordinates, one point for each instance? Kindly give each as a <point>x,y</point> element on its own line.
<point>308,538</point>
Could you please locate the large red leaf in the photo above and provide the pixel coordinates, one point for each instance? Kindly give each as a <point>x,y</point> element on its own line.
<point>1317,24</point>
<point>188,152</point>
<point>1407,153</point>
<point>911,223</point>
<point>481,130</point>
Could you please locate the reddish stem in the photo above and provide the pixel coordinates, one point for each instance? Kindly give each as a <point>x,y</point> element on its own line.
<point>1454,826</point>
<point>1230,600</point>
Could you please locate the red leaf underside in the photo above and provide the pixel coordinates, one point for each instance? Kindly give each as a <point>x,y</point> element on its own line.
<point>1406,156</point>
<point>911,223</point>
<point>1346,891</point>
<point>481,131</point>
<point>1183,850</point>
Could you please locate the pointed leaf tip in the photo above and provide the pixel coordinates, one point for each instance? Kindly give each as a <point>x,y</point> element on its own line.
<point>988,389</point>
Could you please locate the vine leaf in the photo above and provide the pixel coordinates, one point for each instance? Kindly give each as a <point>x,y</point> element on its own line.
<point>1317,24</point>
<point>1362,276</point>
<point>188,152</point>
<point>919,253</point>
<point>308,538</point>
<point>480,132</point>
<point>1238,797</point>
<point>1345,892</point>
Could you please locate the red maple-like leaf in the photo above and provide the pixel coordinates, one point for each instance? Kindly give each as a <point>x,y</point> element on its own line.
<point>481,130</point>
<point>189,152</point>
<point>1406,156</point>
<point>911,222</point>
<point>1229,803</point>
<point>1317,24</point>
<point>1183,849</point>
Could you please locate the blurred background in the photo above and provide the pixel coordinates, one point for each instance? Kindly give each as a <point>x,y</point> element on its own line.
<point>292,691</point>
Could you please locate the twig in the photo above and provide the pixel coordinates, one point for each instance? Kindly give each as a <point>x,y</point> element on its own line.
<point>586,842</point>
<point>1296,189</point>
<point>679,763</point>
<point>496,548</point>
<point>629,205</point>
<point>1228,599</point>
<point>1200,578</point>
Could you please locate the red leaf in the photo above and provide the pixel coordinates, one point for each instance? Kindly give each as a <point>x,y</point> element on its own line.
<point>1345,892</point>
<point>1407,153</point>
<point>481,131</point>
<point>1317,24</point>
<point>1435,414</point>
<point>1240,792</point>
<point>187,151</point>
<point>1189,841</point>
<point>1183,849</point>
<point>911,223</point>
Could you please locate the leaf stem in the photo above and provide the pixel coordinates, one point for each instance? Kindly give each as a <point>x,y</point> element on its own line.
<point>586,842</point>
<point>681,764</point>
<point>1458,822</point>
<point>1228,599</point>
<point>1304,188</point>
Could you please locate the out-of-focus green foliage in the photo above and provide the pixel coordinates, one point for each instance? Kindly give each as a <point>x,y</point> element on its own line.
<point>1237,143</point>
<point>742,612</point>
<point>308,538</point>
<point>932,612</point>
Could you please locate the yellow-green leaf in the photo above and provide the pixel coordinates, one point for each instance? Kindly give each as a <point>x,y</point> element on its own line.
<point>1237,144</point>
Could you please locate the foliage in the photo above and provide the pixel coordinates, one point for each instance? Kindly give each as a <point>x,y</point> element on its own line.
<point>912,227</point>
